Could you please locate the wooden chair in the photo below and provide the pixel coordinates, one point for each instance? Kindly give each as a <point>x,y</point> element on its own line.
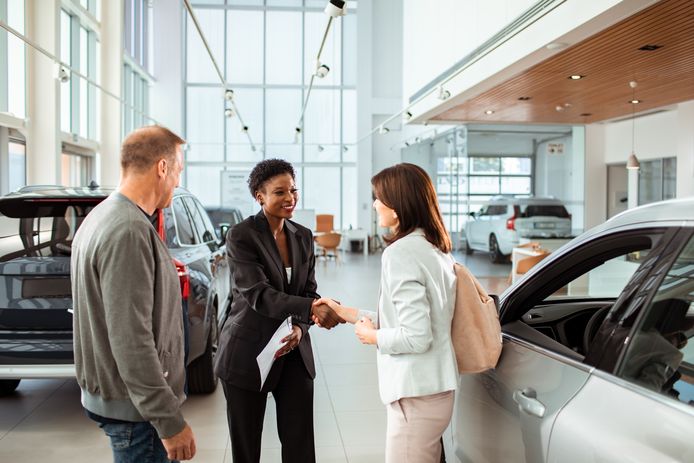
<point>324,223</point>
<point>327,242</point>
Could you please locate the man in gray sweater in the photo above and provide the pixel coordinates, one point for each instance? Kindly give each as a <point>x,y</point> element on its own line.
<point>128,324</point>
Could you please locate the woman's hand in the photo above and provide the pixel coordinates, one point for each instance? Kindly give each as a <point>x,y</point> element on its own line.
<point>365,331</point>
<point>291,340</point>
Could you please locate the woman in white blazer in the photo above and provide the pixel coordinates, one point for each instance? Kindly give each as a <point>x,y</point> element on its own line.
<point>417,370</point>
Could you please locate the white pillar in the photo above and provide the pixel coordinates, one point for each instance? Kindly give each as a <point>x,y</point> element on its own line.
<point>364,102</point>
<point>111,79</point>
<point>685,149</point>
<point>632,188</point>
<point>166,95</point>
<point>595,178</point>
<point>43,94</point>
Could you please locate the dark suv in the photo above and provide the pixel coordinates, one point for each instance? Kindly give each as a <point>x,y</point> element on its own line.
<point>37,225</point>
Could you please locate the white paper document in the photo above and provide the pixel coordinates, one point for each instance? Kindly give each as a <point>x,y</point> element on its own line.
<point>267,357</point>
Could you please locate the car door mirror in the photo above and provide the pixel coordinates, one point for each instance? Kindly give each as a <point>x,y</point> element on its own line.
<point>472,214</point>
<point>223,230</point>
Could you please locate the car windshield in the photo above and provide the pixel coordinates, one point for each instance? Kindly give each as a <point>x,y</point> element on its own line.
<point>547,210</point>
<point>40,228</point>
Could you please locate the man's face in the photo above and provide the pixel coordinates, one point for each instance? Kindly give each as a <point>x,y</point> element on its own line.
<point>172,178</point>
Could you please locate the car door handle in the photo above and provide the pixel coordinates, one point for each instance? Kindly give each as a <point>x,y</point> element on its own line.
<point>528,403</point>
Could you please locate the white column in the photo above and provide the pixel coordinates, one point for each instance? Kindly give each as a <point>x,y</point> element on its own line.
<point>43,94</point>
<point>632,188</point>
<point>685,149</point>
<point>166,95</point>
<point>595,178</point>
<point>364,102</point>
<point>111,79</point>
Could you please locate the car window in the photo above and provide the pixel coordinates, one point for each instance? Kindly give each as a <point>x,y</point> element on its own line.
<point>496,210</point>
<point>200,220</point>
<point>606,280</point>
<point>660,355</point>
<point>184,229</point>
<point>44,231</point>
<point>544,211</point>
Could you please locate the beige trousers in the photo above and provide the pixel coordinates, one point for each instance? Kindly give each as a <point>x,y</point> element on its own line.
<point>415,426</point>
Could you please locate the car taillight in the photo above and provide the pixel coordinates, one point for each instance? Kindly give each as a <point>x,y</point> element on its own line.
<point>183,277</point>
<point>511,223</point>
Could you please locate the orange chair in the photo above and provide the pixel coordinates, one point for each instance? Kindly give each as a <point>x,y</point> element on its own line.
<point>324,223</point>
<point>328,242</point>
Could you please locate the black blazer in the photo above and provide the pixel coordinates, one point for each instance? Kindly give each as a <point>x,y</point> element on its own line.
<point>262,299</point>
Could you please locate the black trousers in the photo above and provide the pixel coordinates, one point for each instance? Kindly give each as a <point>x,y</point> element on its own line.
<point>294,402</point>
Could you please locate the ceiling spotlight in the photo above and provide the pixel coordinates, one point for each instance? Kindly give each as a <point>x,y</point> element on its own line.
<point>634,101</point>
<point>417,139</point>
<point>228,94</point>
<point>443,93</point>
<point>556,45</point>
<point>559,108</point>
<point>322,70</point>
<point>383,130</point>
<point>63,74</point>
<point>650,47</point>
<point>228,112</point>
<point>244,129</point>
<point>489,112</point>
<point>297,133</point>
<point>407,115</point>
<point>336,8</point>
<point>567,105</point>
<point>576,77</point>
<point>407,144</point>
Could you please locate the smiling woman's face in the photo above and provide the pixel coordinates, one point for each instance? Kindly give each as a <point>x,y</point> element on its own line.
<point>278,196</point>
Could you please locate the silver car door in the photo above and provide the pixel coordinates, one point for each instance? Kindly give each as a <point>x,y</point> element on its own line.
<point>641,408</point>
<point>506,414</point>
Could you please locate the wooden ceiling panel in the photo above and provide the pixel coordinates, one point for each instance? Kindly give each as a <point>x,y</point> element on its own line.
<point>609,61</point>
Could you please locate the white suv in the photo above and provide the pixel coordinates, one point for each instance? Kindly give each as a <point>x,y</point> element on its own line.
<point>497,227</point>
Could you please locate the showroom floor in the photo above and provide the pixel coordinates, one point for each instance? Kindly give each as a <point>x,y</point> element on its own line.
<point>44,421</point>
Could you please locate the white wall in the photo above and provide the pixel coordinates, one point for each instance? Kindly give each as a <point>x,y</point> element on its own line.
<point>660,135</point>
<point>439,33</point>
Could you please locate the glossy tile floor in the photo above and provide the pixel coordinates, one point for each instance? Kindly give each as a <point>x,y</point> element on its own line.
<point>44,421</point>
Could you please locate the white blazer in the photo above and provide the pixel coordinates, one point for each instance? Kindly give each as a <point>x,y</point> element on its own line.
<point>415,353</point>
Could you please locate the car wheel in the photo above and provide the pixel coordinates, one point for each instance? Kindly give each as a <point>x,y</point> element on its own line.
<point>494,252</point>
<point>468,249</point>
<point>8,386</point>
<point>201,377</point>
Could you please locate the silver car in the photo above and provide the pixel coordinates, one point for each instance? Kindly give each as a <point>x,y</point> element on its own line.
<point>598,357</point>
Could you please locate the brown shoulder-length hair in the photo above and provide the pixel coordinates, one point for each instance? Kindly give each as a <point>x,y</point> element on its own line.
<point>407,189</point>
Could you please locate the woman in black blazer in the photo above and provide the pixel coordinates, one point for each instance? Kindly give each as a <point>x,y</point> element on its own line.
<point>272,272</point>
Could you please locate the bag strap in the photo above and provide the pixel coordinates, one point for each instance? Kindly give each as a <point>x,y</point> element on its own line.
<point>478,286</point>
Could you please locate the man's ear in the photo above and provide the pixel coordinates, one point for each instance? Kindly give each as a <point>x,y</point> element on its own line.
<point>162,167</point>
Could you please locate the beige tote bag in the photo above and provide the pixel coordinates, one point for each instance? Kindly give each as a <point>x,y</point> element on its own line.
<point>475,331</point>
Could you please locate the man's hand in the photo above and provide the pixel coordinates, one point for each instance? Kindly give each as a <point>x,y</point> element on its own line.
<point>323,315</point>
<point>180,446</point>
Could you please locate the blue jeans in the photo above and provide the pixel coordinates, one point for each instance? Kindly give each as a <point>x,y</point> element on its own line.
<point>135,443</point>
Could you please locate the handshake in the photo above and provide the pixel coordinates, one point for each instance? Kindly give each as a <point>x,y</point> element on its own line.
<point>325,313</point>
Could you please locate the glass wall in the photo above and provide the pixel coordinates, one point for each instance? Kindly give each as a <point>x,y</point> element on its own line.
<point>137,69</point>
<point>12,58</point>
<point>78,49</point>
<point>657,180</point>
<point>266,50</point>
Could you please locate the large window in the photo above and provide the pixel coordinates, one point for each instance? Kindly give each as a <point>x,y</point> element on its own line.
<point>137,70</point>
<point>12,58</point>
<point>79,50</point>
<point>266,50</point>
<point>657,180</point>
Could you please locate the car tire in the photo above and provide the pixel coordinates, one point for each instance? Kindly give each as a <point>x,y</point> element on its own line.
<point>201,376</point>
<point>468,250</point>
<point>494,252</point>
<point>8,386</point>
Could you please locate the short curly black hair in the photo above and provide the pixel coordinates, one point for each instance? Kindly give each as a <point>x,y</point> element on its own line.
<point>265,170</point>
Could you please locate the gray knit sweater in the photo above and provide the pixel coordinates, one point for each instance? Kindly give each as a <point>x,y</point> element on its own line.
<point>128,324</point>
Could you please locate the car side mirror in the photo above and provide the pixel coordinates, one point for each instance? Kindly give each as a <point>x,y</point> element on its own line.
<point>223,230</point>
<point>472,214</point>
